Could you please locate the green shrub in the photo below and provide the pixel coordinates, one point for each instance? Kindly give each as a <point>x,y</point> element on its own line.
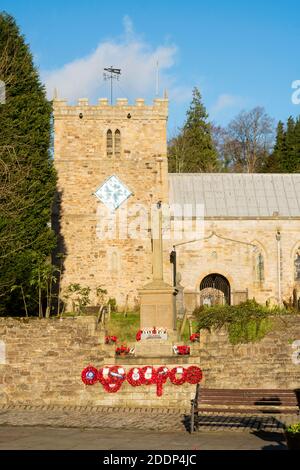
<point>113,304</point>
<point>293,429</point>
<point>247,322</point>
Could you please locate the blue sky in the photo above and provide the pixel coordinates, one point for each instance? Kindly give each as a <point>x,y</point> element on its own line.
<point>239,53</point>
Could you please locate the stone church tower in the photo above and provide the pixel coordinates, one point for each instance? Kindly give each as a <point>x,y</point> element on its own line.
<point>118,145</point>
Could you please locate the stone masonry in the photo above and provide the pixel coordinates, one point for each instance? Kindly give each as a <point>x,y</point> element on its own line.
<point>44,360</point>
<point>82,163</point>
<point>84,159</point>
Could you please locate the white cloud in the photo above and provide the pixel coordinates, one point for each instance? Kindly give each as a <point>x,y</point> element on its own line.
<point>136,58</point>
<point>225,102</point>
<point>128,25</point>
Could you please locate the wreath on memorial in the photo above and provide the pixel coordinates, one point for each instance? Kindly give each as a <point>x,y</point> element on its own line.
<point>195,338</point>
<point>194,375</point>
<point>139,335</point>
<point>122,350</point>
<point>173,375</point>
<point>151,332</point>
<point>149,375</point>
<point>89,375</point>
<point>134,377</point>
<point>111,339</point>
<point>182,350</point>
<point>162,375</point>
<point>113,377</point>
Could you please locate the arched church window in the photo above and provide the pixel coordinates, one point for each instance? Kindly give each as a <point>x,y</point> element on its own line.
<point>114,262</point>
<point>109,143</point>
<point>117,143</point>
<point>297,265</point>
<point>260,267</point>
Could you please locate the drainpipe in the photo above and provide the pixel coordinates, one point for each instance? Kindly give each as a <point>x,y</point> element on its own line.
<point>278,238</point>
<point>173,256</point>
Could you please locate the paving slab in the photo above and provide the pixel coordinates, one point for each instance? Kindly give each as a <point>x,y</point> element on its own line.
<point>47,438</point>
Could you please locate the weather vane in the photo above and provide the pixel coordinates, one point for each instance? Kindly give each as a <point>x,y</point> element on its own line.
<point>111,74</point>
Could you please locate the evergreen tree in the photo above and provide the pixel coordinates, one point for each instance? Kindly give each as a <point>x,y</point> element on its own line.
<point>274,162</point>
<point>27,178</point>
<point>288,159</point>
<point>286,153</point>
<point>296,154</point>
<point>193,150</point>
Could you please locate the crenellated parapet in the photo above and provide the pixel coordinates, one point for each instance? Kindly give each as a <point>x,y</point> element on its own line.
<point>104,110</point>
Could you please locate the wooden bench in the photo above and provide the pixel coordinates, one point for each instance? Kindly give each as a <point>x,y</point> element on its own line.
<point>245,401</point>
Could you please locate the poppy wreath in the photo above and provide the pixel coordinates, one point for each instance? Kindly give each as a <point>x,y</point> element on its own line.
<point>182,350</point>
<point>193,375</point>
<point>134,377</point>
<point>162,374</point>
<point>173,375</point>
<point>148,375</point>
<point>195,337</point>
<point>110,339</point>
<point>139,335</point>
<point>89,375</point>
<point>113,379</point>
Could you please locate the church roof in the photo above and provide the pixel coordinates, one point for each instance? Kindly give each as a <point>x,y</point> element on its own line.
<point>238,195</point>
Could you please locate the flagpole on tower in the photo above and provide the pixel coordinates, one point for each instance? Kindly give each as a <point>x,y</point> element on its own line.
<point>111,74</point>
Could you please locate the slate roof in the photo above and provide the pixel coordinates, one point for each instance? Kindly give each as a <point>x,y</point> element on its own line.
<point>238,195</point>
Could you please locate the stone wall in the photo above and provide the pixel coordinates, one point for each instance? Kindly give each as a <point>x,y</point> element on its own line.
<point>45,358</point>
<point>264,364</point>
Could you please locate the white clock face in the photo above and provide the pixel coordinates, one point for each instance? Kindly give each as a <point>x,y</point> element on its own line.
<point>113,193</point>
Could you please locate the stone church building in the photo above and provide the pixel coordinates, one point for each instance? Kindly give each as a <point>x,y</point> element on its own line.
<point>112,169</point>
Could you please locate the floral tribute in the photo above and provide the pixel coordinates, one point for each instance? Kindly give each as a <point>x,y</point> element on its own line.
<point>195,338</point>
<point>122,350</point>
<point>139,335</point>
<point>182,350</point>
<point>89,375</point>
<point>113,377</point>
<point>110,339</point>
<point>153,332</point>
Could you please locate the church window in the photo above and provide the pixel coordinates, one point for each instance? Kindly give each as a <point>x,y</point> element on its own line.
<point>260,267</point>
<point>117,143</point>
<point>297,265</point>
<point>114,262</point>
<point>109,143</point>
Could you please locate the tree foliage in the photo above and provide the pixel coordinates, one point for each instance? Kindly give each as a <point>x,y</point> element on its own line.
<point>286,153</point>
<point>27,178</point>
<point>193,150</point>
<point>245,323</point>
<point>247,141</point>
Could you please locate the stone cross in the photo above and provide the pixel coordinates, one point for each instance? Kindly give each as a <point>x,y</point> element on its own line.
<point>157,299</point>
<point>157,246</point>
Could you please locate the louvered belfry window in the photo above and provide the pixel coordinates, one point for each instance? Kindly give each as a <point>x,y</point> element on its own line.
<point>109,143</point>
<point>117,143</point>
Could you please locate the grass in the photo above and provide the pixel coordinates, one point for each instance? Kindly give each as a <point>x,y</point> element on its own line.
<point>125,328</point>
<point>185,337</point>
